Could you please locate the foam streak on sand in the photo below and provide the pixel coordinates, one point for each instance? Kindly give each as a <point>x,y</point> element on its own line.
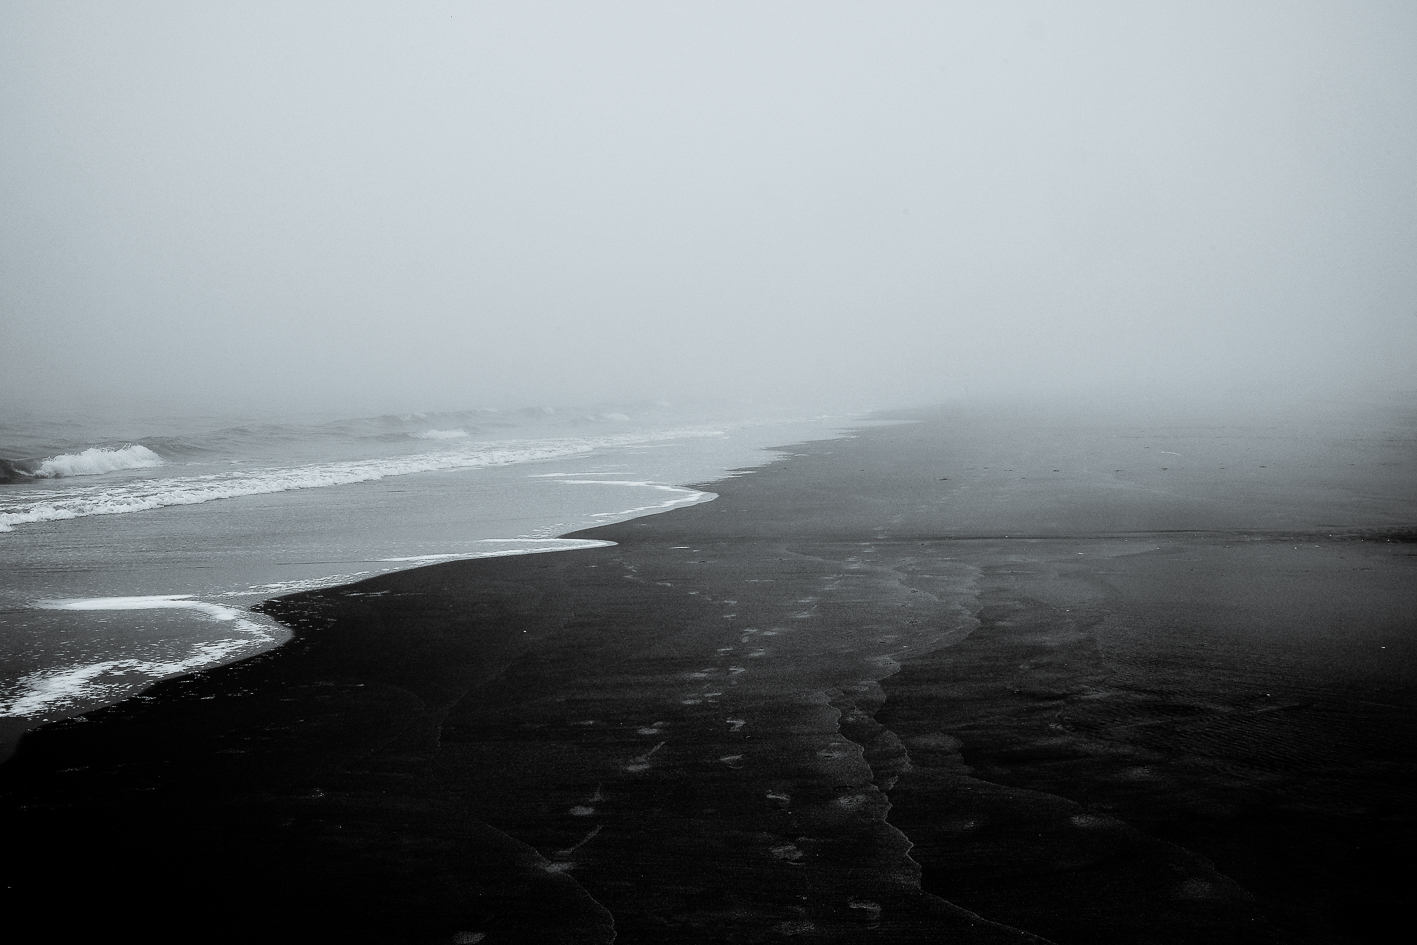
<point>57,689</point>
<point>191,490</point>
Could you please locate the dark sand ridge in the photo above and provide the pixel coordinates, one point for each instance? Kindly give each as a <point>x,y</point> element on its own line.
<point>1148,705</point>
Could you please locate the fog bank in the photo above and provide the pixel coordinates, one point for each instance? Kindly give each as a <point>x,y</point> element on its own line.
<point>442,205</point>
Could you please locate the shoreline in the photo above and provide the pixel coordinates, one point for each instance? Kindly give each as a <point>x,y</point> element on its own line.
<point>794,710</point>
<point>239,554</point>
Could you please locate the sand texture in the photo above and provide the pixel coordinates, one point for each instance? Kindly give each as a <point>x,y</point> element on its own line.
<point>979,678</point>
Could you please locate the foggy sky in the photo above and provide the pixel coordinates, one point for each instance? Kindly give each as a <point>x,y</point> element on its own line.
<point>412,206</point>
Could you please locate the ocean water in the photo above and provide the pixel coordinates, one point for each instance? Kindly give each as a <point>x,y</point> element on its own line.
<point>132,551</point>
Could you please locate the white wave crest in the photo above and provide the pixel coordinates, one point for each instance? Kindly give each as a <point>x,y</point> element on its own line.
<point>95,461</point>
<point>191,490</point>
<point>441,434</point>
<point>62,688</point>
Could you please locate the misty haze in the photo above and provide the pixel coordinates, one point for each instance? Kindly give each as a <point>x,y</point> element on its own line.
<point>709,471</point>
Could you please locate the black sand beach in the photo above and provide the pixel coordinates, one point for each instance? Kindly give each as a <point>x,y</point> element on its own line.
<point>986,677</point>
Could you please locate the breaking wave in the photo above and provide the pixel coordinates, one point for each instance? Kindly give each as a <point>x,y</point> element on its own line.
<point>11,471</point>
<point>94,461</point>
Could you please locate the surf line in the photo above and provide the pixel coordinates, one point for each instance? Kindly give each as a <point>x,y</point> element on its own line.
<point>684,496</point>
<point>537,546</point>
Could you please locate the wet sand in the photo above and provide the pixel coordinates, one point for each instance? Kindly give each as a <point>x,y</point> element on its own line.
<point>986,677</point>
